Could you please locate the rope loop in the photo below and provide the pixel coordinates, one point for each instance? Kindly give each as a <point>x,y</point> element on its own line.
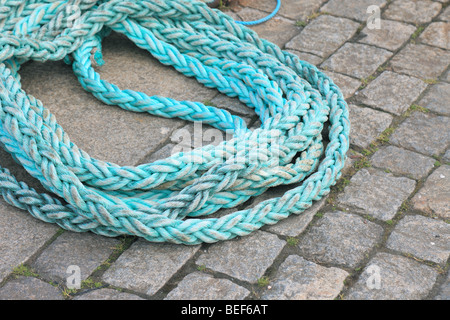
<point>173,199</point>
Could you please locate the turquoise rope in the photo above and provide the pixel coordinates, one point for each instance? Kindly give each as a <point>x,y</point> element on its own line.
<point>170,200</point>
<point>262,20</point>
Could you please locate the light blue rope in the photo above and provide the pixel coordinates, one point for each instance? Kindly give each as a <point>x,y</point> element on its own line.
<point>262,20</point>
<point>292,98</point>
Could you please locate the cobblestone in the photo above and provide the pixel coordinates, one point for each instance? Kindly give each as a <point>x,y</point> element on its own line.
<point>432,198</point>
<point>413,11</point>
<point>437,98</point>
<point>446,157</point>
<point>424,133</point>
<point>347,84</point>
<point>445,16</point>
<point>437,34</point>
<point>368,186</point>
<point>424,238</point>
<point>21,236</point>
<point>421,61</point>
<point>229,257</point>
<point>146,267</point>
<point>394,283</point>
<point>340,238</point>
<point>87,251</point>
<point>391,35</point>
<point>308,57</point>
<point>403,162</point>
<point>278,30</point>
<point>357,60</point>
<point>367,125</point>
<point>201,286</point>
<point>29,288</point>
<point>444,292</point>
<point>299,279</point>
<point>351,9</point>
<point>392,92</point>
<point>323,35</point>
<point>107,294</point>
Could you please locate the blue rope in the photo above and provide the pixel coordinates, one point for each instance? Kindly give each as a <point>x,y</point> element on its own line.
<point>262,20</point>
<point>167,200</point>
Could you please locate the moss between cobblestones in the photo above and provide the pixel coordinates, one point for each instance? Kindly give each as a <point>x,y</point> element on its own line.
<point>25,271</point>
<point>263,281</point>
<point>292,241</point>
<point>311,17</point>
<point>417,33</point>
<point>125,243</point>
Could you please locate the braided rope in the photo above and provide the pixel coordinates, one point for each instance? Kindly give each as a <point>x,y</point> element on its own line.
<point>165,201</point>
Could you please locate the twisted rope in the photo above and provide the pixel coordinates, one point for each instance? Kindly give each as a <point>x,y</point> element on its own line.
<point>168,200</point>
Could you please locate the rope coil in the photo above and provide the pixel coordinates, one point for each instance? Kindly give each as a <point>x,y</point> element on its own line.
<point>168,200</point>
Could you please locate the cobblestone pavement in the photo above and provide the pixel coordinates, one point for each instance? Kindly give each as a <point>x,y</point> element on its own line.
<point>382,233</point>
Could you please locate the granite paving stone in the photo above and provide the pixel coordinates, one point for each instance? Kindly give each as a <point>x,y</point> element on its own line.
<point>446,76</point>
<point>437,98</point>
<point>424,238</point>
<point>421,61</point>
<point>413,11</point>
<point>445,16</point>
<point>145,267</point>
<point>367,124</point>
<point>292,9</point>
<point>424,133</point>
<point>403,162</point>
<point>85,250</point>
<point>391,35</point>
<point>433,197</point>
<point>29,288</point>
<point>230,257</point>
<point>21,237</point>
<point>446,157</point>
<point>392,277</point>
<point>352,9</point>
<point>308,57</point>
<point>340,238</point>
<point>444,290</point>
<point>392,92</point>
<point>368,186</point>
<point>107,294</point>
<point>300,279</point>
<point>323,35</point>
<point>277,30</point>
<point>357,60</point>
<point>347,84</point>
<point>201,286</point>
<point>437,34</point>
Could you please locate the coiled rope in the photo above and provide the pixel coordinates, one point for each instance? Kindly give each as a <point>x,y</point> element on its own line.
<point>170,200</point>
